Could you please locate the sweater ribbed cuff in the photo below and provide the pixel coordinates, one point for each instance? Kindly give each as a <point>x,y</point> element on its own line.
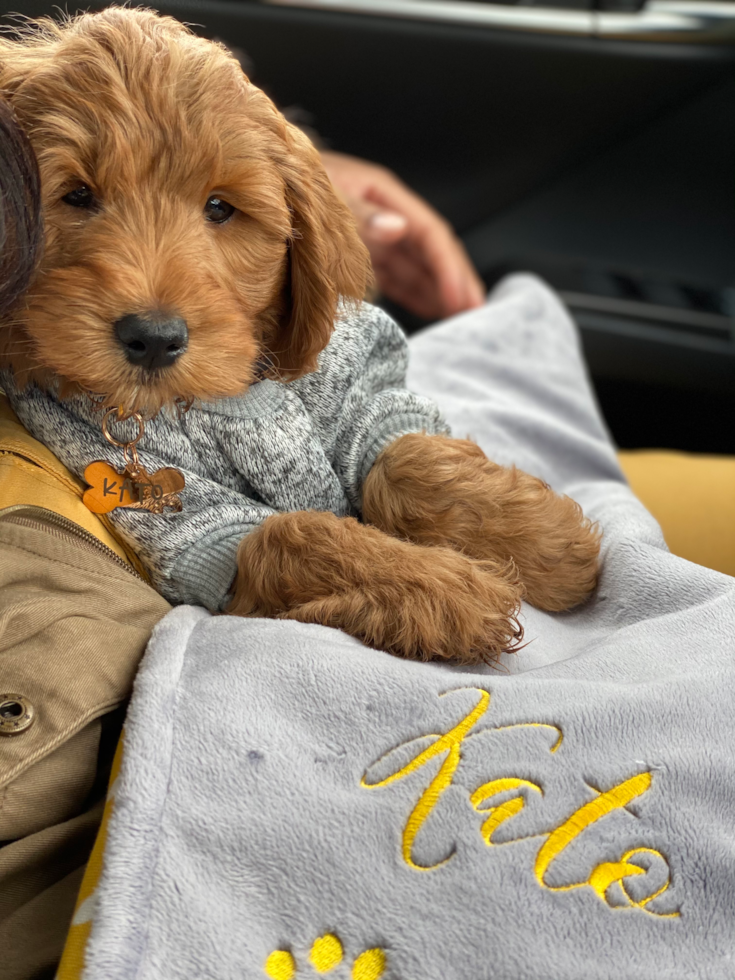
<point>393,428</point>
<point>205,572</point>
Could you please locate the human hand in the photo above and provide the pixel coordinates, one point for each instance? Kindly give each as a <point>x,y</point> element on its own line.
<point>418,260</point>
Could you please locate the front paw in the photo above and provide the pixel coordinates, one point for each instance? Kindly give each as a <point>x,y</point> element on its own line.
<point>440,491</point>
<point>554,546</point>
<point>451,608</point>
<point>413,601</point>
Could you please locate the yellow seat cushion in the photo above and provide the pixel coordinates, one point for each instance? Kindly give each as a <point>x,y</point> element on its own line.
<point>692,497</point>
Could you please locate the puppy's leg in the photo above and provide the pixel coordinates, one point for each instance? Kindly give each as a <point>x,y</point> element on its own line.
<point>411,600</point>
<point>439,491</point>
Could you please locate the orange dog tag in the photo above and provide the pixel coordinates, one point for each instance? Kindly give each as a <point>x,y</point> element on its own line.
<point>134,488</point>
<point>108,489</point>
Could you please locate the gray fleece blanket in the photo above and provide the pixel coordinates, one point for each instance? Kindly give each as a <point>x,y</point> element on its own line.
<point>292,804</point>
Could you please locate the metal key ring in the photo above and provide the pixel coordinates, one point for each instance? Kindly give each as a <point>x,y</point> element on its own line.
<point>116,442</point>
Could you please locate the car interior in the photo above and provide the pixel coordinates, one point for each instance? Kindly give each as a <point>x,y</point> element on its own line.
<point>588,141</point>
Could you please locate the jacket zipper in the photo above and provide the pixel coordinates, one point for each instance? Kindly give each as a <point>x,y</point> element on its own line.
<point>41,519</point>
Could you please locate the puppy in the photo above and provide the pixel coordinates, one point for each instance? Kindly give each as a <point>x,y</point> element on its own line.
<point>195,250</point>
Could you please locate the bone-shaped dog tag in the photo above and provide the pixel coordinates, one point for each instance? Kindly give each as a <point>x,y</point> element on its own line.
<point>159,490</point>
<point>108,489</point>
<point>134,488</point>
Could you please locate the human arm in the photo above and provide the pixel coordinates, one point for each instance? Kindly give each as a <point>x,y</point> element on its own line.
<point>418,260</point>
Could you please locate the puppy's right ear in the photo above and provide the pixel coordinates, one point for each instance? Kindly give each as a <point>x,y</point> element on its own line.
<point>327,259</point>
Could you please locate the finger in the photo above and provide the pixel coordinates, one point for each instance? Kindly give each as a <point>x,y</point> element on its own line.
<point>386,226</point>
<point>458,284</point>
<point>411,298</point>
<point>403,276</point>
<point>403,266</point>
<point>409,284</point>
<point>411,253</point>
<point>410,293</point>
<point>377,225</point>
<point>364,184</point>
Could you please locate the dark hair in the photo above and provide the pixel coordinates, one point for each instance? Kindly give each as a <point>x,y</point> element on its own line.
<point>20,210</point>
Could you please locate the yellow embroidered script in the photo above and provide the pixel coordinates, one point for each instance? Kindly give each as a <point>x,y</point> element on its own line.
<point>449,746</point>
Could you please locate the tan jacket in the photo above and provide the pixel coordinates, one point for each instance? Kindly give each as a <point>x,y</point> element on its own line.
<point>75,618</point>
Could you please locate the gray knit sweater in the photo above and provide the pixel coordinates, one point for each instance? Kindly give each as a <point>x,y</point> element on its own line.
<point>306,445</point>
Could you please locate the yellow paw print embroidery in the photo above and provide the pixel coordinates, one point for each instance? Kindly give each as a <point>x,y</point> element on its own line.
<point>326,953</point>
<point>280,965</point>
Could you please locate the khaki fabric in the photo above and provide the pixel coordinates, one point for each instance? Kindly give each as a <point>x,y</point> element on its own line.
<point>28,805</point>
<point>74,623</point>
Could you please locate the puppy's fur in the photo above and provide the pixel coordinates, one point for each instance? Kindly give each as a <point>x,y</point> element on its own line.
<point>155,121</point>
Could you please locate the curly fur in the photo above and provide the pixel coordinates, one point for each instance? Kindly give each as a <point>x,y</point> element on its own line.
<point>439,491</point>
<point>413,600</point>
<point>155,120</point>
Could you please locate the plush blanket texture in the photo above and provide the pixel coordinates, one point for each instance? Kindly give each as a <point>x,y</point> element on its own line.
<point>292,804</point>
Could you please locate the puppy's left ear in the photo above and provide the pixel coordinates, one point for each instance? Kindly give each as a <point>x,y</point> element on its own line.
<point>327,259</point>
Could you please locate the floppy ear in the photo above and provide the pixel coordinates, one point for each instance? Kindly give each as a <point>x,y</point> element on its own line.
<point>327,259</point>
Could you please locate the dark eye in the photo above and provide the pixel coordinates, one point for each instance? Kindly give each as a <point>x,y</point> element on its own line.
<point>218,210</point>
<point>80,197</point>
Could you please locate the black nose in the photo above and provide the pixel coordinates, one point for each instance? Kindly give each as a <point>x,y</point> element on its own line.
<point>152,340</point>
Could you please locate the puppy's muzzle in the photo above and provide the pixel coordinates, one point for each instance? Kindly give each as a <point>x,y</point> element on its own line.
<point>152,340</point>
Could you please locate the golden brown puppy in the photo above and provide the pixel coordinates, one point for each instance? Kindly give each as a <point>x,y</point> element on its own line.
<point>171,183</point>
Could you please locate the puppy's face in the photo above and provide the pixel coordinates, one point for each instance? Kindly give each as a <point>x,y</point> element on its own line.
<point>190,230</point>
